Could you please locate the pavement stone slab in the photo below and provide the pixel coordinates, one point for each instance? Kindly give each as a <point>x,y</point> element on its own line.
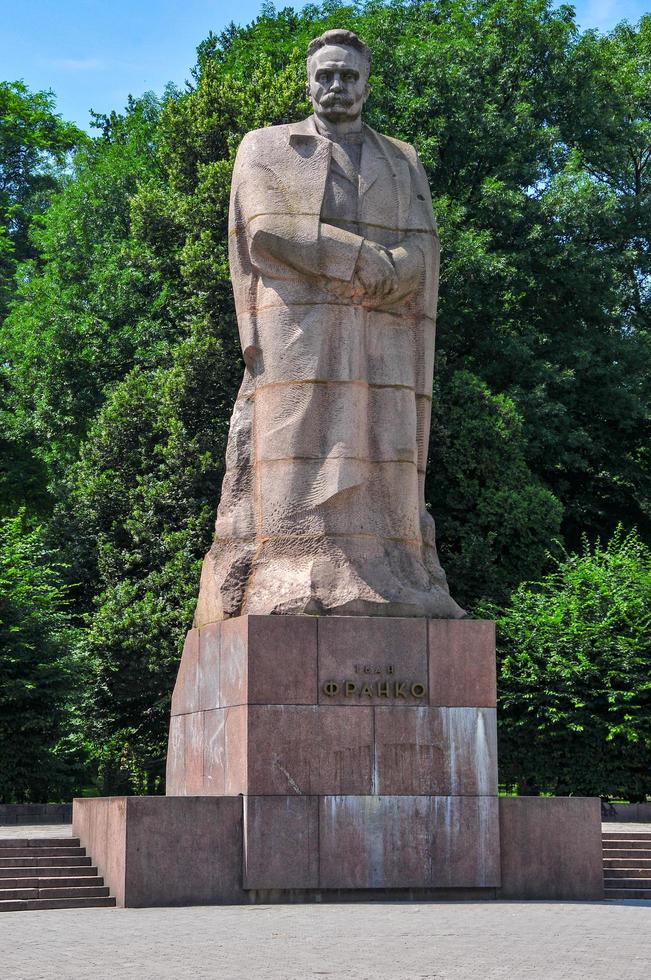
<point>383,941</point>
<point>487,940</point>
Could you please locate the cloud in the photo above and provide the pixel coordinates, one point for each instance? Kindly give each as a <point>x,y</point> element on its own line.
<point>77,64</point>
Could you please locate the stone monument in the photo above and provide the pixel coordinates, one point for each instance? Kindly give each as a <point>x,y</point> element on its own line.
<point>333,726</point>
<point>326,679</point>
<point>334,259</point>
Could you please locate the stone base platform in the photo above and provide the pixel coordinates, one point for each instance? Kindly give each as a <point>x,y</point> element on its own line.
<point>275,705</point>
<point>365,748</point>
<point>313,758</point>
<point>165,851</point>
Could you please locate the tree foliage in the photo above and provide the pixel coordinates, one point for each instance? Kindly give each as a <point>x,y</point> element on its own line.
<point>120,356</point>
<point>494,517</point>
<point>34,144</point>
<point>40,678</point>
<point>575,675</point>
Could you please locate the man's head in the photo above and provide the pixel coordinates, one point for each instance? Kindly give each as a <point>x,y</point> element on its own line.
<point>338,66</point>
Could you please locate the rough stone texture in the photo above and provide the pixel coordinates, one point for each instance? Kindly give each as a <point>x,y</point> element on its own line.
<point>214,753</point>
<point>173,851</point>
<point>268,660</point>
<point>437,751</point>
<point>186,690</point>
<point>411,751</point>
<point>209,667</point>
<point>334,259</point>
<point>350,790</point>
<point>175,768</point>
<point>234,662</point>
<point>551,848</point>
<point>472,734</point>
<point>194,748</point>
<point>236,750</point>
<point>309,750</point>
<point>154,850</point>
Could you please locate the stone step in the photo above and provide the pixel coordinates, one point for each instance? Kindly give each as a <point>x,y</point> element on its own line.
<point>47,861</point>
<point>627,862</point>
<point>24,904</point>
<point>46,871</point>
<point>49,873</point>
<point>620,852</point>
<point>39,842</point>
<point>85,891</point>
<point>63,881</point>
<point>91,891</point>
<point>625,835</point>
<point>628,893</point>
<point>14,852</point>
<point>632,882</point>
<point>626,872</point>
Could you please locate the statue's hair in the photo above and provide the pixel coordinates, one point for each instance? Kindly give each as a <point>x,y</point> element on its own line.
<point>342,38</point>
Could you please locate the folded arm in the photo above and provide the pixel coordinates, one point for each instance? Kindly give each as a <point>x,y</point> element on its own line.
<point>282,243</point>
<point>303,243</point>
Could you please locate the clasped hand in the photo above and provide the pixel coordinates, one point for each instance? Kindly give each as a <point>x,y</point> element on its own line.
<point>379,278</point>
<point>375,271</point>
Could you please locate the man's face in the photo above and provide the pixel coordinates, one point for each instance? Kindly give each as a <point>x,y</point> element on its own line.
<point>338,83</point>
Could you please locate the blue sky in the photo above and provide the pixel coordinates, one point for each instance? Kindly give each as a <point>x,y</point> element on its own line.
<point>94,53</point>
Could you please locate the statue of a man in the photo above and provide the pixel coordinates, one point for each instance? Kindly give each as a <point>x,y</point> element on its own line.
<point>334,259</point>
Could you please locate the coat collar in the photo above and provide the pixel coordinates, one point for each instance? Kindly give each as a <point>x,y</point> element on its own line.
<point>303,130</point>
<point>374,156</point>
<point>306,130</point>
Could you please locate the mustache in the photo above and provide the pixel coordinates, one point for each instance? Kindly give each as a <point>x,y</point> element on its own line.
<point>336,98</point>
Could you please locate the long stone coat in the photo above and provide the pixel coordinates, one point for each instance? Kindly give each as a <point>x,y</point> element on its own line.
<point>322,507</point>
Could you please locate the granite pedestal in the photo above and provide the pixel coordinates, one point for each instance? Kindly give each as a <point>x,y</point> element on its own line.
<point>364,748</point>
<point>338,758</point>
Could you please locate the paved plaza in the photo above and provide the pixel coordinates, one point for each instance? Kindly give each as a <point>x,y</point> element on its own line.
<point>389,941</point>
<point>355,942</point>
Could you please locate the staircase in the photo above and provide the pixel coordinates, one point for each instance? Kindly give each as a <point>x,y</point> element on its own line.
<point>49,873</point>
<point>627,864</point>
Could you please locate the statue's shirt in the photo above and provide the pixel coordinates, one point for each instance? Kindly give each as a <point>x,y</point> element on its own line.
<point>341,197</point>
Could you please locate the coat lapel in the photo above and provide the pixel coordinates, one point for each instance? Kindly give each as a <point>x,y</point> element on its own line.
<point>384,178</point>
<point>372,163</point>
<point>308,165</point>
<point>384,183</point>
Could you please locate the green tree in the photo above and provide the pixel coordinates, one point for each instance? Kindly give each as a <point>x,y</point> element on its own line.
<point>495,519</point>
<point>40,676</point>
<point>575,675</point>
<point>93,304</point>
<point>144,492</point>
<point>603,201</point>
<point>35,145</point>
<point>121,356</point>
<point>34,148</point>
